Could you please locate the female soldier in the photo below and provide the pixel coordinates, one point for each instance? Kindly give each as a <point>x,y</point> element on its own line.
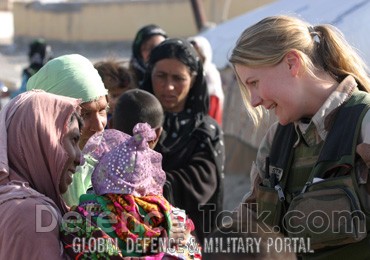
<point>316,157</point>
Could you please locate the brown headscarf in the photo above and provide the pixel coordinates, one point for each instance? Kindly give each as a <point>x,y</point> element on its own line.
<point>32,126</point>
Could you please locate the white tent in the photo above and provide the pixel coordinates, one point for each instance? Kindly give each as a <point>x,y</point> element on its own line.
<point>352,17</point>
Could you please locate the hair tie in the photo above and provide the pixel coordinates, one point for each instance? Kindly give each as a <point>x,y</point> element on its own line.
<point>315,35</point>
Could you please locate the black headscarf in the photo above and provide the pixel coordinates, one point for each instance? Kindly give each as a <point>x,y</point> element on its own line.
<point>190,137</point>
<point>39,53</point>
<point>137,62</point>
<point>185,134</point>
<point>179,125</point>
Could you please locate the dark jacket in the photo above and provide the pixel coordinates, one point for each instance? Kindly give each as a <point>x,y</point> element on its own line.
<point>191,145</point>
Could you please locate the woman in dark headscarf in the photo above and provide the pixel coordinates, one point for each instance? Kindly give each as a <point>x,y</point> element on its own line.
<point>145,40</point>
<point>192,142</point>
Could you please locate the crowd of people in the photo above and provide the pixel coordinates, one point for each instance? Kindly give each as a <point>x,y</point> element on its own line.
<point>126,161</point>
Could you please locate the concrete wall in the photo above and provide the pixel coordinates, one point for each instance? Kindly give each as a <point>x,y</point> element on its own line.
<point>4,5</point>
<point>218,11</point>
<point>114,21</point>
<point>102,21</point>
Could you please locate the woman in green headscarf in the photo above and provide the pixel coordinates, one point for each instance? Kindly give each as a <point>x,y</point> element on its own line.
<point>75,76</point>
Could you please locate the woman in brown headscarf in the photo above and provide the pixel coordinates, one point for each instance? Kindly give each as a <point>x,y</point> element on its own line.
<point>39,152</point>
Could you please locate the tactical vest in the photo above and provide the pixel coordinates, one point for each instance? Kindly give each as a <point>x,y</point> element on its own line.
<point>324,202</point>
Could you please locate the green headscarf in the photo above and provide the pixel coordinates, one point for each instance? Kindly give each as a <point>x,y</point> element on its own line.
<point>69,75</point>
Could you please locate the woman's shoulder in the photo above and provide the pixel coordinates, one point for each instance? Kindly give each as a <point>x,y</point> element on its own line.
<point>209,127</point>
<point>29,216</point>
<point>30,228</point>
<point>27,204</point>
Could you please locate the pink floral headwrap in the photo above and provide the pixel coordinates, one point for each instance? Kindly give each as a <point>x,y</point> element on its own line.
<point>126,164</point>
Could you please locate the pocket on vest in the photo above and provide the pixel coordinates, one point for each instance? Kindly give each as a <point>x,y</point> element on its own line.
<point>269,205</point>
<point>328,213</point>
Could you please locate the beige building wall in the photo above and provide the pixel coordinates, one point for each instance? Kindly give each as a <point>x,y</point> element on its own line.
<point>218,11</point>
<point>4,5</point>
<point>117,20</point>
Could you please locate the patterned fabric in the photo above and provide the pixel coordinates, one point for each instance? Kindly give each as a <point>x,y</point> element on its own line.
<point>101,143</point>
<point>135,209</point>
<point>116,218</point>
<point>130,167</point>
<point>78,245</point>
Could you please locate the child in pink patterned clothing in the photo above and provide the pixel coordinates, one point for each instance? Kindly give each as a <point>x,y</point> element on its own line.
<point>127,206</point>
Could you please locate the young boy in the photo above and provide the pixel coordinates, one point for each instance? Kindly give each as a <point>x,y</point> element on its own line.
<point>138,106</point>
